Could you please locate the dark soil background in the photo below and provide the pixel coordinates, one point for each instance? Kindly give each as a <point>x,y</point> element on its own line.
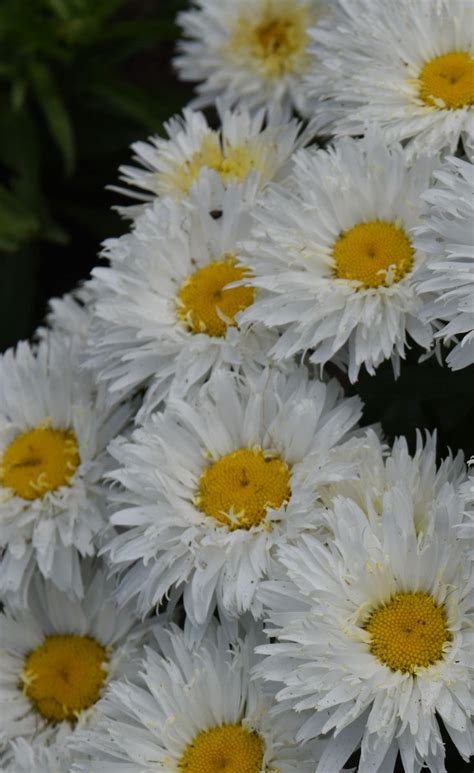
<point>140,94</point>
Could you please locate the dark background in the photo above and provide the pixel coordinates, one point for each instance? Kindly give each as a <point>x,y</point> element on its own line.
<point>80,80</point>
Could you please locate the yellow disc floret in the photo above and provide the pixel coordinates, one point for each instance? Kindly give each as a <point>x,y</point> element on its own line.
<point>274,40</point>
<point>204,303</point>
<point>447,81</point>
<point>64,676</point>
<point>40,460</point>
<point>374,253</point>
<point>231,162</point>
<point>238,489</point>
<point>229,748</point>
<point>409,632</point>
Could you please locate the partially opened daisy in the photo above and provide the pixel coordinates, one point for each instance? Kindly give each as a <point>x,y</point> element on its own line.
<point>195,711</point>
<point>54,429</point>
<point>212,486</point>
<point>56,659</point>
<point>437,491</point>
<point>333,261</point>
<point>375,629</point>
<point>250,52</point>
<point>165,316</point>
<point>242,146</point>
<point>406,66</point>
<point>447,283</point>
<point>71,314</point>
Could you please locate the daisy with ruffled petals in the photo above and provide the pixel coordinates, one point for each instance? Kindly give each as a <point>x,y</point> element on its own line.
<point>56,659</point>
<point>437,490</point>
<point>250,52</point>
<point>447,283</point>
<point>195,710</point>
<point>54,429</point>
<point>333,260</point>
<point>212,486</point>
<point>407,67</point>
<point>165,316</point>
<point>374,635</point>
<point>242,146</point>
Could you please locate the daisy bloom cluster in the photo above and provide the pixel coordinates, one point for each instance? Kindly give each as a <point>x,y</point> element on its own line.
<point>210,559</point>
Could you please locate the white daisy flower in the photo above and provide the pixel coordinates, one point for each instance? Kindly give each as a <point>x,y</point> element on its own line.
<point>54,430</point>
<point>71,314</point>
<point>333,259</point>
<point>376,630</point>
<point>436,491</point>
<point>212,487</point>
<point>407,67</point>
<point>242,146</point>
<point>448,279</point>
<point>465,530</point>
<point>22,757</point>
<point>56,659</point>
<point>164,315</point>
<point>195,710</point>
<point>249,52</point>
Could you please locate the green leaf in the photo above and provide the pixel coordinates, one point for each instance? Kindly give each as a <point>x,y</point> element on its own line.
<point>55,113</point>
<point>17,222</point>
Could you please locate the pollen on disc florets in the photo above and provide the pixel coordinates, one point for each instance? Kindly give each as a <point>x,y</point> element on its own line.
<point>447,81</point>
<point>231,748</point>
<point>40,460</point>
<point>64,676</point>
<point>376,253</point>
<point>238,489</point>
<point>408,632</point>
<point>231,162</point>
<point>276,39</point>
<point>206,304</point>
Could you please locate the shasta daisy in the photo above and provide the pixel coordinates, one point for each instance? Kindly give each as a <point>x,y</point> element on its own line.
<point>212,486</point>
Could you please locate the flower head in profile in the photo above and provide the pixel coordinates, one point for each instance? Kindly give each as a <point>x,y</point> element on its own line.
<point>407,67</point>
<point>447,283</point>
<point>333,260</point>
<point>211,486</point>
<point>195,710</point>
<point>249,52</point>
<point>244,147</point>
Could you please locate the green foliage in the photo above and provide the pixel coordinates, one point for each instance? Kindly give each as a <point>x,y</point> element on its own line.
<point>63,69</point>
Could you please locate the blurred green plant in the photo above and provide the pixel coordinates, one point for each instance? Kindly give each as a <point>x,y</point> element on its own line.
<point>62,65</point>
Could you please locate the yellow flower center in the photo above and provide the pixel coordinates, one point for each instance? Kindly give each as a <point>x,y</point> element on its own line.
<point>447,81</point>
<point>229,748</point>
<point>204,303</point>
<point>276,40</point>
<point>233,162</point>
<point>238,489</point>
<point>374,253</point>
<point>64,676</point>
<point>40,460</point>
<point>409,632</point>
